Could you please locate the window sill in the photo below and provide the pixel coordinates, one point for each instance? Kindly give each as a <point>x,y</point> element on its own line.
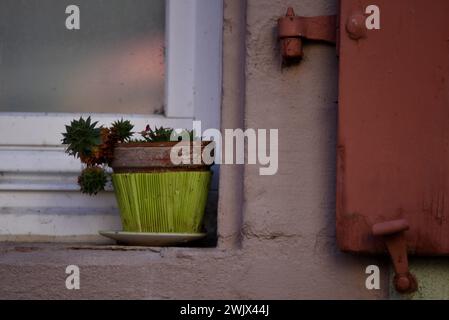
<point>65,252</point>
<point>38,270</point>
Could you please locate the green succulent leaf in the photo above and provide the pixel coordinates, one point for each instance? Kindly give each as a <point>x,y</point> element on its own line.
<point>122,129</point>
<point>92,180</point>
<point>81,137</point>
<point>161,134</point>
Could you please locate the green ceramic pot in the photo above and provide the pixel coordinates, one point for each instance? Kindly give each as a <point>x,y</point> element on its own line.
<point>156,196</point>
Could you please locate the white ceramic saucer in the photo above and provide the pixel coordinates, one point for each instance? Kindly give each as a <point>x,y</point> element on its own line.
<point>151,239</point>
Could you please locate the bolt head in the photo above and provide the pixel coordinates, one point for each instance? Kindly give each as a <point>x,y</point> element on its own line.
<point>405,283</point>
<point>402,284</point>
<point>356,27</point>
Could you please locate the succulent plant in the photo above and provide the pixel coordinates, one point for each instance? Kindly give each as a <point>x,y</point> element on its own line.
<point>157,135</point>
<point>92,180</point>
<point>81,138</point>
<point>161,134</point>
<point>121,130</point>
<point>94,145</point>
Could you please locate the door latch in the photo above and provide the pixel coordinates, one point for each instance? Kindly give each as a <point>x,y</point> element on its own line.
<point>293,29</point>
<point>392,233</point>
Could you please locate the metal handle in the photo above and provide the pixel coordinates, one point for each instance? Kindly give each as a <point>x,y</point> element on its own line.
<point>392,233</point>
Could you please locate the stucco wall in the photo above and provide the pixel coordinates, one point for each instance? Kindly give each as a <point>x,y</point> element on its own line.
<point>277,237</point>
<point>294,210</point>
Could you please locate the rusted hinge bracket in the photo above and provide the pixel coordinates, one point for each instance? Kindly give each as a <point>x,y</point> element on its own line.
<point>293,29</point>
<point>392,233</point>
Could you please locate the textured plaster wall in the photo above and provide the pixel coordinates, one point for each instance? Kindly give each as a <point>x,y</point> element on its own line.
<point>294,210</point>
<point>276,234</point>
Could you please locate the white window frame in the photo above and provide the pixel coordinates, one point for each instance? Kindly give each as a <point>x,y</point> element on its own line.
<point>38,182</point>
<point>31,142</point>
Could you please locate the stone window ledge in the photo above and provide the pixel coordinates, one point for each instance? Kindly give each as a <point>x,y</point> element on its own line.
<point>16,253</point>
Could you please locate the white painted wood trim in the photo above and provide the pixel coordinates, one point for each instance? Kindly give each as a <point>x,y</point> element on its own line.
<point>180,57</point>
<point>208,63</point>
<point>32,157</point>
<point>44,129</point>
<point>194,59</point>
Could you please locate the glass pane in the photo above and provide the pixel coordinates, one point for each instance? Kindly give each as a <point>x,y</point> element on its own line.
<point>114,63</point>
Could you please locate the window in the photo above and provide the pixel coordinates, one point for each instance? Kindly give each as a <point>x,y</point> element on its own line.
<point>156,62</point>
<point>113,63</point>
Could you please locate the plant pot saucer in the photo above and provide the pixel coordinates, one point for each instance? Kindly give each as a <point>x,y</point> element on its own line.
<point>150,239</point>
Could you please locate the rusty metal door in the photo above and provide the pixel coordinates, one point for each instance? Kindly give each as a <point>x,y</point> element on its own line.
<point>393,139</point>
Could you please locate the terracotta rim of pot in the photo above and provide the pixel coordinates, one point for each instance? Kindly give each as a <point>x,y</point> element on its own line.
<point>158,144</point>
<point>152,157</point>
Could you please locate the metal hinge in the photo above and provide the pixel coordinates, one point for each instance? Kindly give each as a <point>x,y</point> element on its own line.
<point>293,29</point>
<point>392,233</point>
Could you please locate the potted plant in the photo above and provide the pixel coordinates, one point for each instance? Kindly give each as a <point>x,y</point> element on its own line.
<point>155,194</point>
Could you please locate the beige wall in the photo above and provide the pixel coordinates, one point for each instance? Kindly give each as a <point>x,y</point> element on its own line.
<point>277,237</point>
<point>292,213</point>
